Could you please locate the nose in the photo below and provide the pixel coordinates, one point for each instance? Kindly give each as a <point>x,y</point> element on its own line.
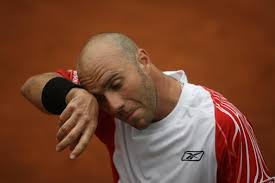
<point>115,102</point>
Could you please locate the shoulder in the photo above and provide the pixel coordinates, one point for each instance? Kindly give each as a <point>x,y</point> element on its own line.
<point>231,124</point>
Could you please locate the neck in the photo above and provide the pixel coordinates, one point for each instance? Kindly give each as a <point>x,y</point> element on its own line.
<point>168,92</point>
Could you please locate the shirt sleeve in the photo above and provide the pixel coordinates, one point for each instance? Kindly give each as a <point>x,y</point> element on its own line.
<point>69,75</point>
<point>238,155</point>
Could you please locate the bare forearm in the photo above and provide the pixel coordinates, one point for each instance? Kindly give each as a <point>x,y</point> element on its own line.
<point>32,88</point>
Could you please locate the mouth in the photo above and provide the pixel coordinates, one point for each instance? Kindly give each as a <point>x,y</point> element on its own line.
<point>130,115</point>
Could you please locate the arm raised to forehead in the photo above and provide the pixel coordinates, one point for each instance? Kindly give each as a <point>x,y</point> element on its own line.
<point>78,121</point>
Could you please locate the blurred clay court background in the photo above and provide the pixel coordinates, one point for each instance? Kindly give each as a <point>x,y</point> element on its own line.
<point>228,46</point>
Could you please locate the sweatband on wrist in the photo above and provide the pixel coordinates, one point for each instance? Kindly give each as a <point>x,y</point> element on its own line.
<point>54,94</point>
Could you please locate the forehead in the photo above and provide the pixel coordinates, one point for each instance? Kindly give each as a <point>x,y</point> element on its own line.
<point>106,64</point>
<point>98,70</point>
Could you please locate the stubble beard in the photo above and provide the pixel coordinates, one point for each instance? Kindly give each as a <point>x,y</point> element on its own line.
<point>149,98</point>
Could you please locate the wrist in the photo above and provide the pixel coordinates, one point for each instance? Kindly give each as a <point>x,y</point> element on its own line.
<point>54,94</point>
<point>73,93</point>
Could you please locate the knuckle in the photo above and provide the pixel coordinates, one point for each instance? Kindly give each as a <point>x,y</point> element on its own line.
<point>72,106</point>
<point>81,146</point>
<point>78,114</point>
<point>86,119</point>
<point>60,123</point>
<point>63,129</point>
<point>61,118</point>
<point>85,144</point>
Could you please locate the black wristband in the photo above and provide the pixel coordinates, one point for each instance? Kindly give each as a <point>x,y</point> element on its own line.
<point>54,94</point>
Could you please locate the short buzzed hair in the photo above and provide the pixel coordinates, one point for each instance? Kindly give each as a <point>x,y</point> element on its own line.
<point>121,41</point>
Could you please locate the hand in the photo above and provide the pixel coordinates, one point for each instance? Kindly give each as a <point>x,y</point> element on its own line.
<point>78,122</point>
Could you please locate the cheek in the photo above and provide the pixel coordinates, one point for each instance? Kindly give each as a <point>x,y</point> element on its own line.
<point>138,90</point>
<point>134,93</point>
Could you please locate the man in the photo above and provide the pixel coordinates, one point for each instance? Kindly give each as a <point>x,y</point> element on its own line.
<point>156,126</point>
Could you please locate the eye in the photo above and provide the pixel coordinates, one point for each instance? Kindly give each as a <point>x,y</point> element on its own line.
<point>116,85</point>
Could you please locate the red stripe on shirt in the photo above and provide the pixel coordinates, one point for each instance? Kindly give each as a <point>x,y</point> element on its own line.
<point>238,156</point>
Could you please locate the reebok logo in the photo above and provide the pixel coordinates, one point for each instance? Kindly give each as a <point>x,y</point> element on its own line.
<point>192,155</point>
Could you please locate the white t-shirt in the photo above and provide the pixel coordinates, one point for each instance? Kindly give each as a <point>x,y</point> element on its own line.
<point>179,148</point>
<point>204,139</point>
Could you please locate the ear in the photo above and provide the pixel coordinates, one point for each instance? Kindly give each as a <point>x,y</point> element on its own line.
<point>143,59</point>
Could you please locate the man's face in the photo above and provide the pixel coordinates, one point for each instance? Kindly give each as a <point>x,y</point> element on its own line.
<point>122,89</point>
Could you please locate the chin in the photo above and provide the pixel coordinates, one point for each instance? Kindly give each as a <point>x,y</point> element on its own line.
<point>141,125</point>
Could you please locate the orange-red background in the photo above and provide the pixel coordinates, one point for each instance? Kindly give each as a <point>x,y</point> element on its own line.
<point>228,46</point>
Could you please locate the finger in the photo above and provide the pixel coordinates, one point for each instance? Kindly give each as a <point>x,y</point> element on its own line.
<point>83,142</point>
<point>71,137</point>
<point>72,146</point>
<point>66,114</point>
<point>66,127</point>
